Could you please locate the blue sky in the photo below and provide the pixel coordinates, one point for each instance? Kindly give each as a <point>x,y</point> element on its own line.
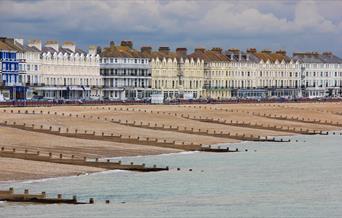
<point>308,25</point>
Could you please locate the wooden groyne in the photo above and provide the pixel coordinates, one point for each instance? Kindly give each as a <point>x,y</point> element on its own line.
<point>72,160</point>
<point>278,117</point>
<point>192,131</point>
<point>102,136</point>
<point>283,117</point>
<point>140,140</point>
<point>9,195</point>
<point>298,119</point>
<point>243,124</point>
<point>218,149</point>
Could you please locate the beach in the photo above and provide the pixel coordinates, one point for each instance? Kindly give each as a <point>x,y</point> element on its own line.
<point>175,127</point>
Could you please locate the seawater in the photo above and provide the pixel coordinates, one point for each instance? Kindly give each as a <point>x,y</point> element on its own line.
<point>295,179</point>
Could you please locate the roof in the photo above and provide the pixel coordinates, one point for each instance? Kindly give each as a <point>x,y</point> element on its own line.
<point>315,57</point>
<point>4,46</point>
<point>209,55</point>
<point>63,50</point>
<point>266,55</point>
<point>17,46</point>
<point>48,49</point>
<point>121,52</point>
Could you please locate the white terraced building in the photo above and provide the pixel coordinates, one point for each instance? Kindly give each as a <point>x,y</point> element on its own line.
<point>175,74</point>
<point>126,73</point>
<point>123,73</point>
<point>321,74</point>
<point>67,72</point>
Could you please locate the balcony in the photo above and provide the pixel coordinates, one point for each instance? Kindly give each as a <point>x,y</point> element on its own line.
<point>124,66</point>
<point>216,88</point>
<point>125,75</point>
<point>126,87</point>
<point>34,84</point>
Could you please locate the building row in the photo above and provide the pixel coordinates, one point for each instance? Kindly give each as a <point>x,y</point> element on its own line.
<point>120,72</point>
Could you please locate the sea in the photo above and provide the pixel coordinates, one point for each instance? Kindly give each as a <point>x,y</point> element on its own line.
<point>301,178</point>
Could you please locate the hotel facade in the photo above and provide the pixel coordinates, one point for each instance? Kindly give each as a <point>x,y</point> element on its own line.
<point>120,72</point>
<point>126,73</point>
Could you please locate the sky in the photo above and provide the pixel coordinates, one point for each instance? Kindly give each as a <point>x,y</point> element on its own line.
<point>304,25</point>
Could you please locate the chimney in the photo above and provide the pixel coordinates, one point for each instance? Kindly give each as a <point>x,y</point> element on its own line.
<point>36,43</point>
<point>19,41</point>
<point>181,52</point>
<point>69,45</point>
<point>52,44</point>
<point>251,50</point>
<point>218,50</point>
<point>92,50</point>
<point>164,49</point>
<point>201,50</point>
<point>282,52</point>
<point>265,51</point>
<point>128,44</point>
<point>147,49</point>
<point>234,50</point>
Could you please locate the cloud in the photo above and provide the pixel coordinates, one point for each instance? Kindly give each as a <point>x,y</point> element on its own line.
<point>307,17</point>
<point>241,23</point>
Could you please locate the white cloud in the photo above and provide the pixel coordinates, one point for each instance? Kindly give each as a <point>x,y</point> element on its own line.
<point>177,20</point>
<point>307,17</point>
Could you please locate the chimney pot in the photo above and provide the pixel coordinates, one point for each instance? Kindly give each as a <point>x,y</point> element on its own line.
<point>181,51</point>
<point>282,52</point>
<point>164,49</point>
<point>251,50</point>
<point>128,44</point>
<point>218,50</point>
<point>202,50</point>
<point>147,49</point>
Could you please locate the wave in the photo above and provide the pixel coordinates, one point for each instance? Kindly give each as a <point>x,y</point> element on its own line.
<point>73,176</point>
<point>45,179</point>
<point>110,172</point>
